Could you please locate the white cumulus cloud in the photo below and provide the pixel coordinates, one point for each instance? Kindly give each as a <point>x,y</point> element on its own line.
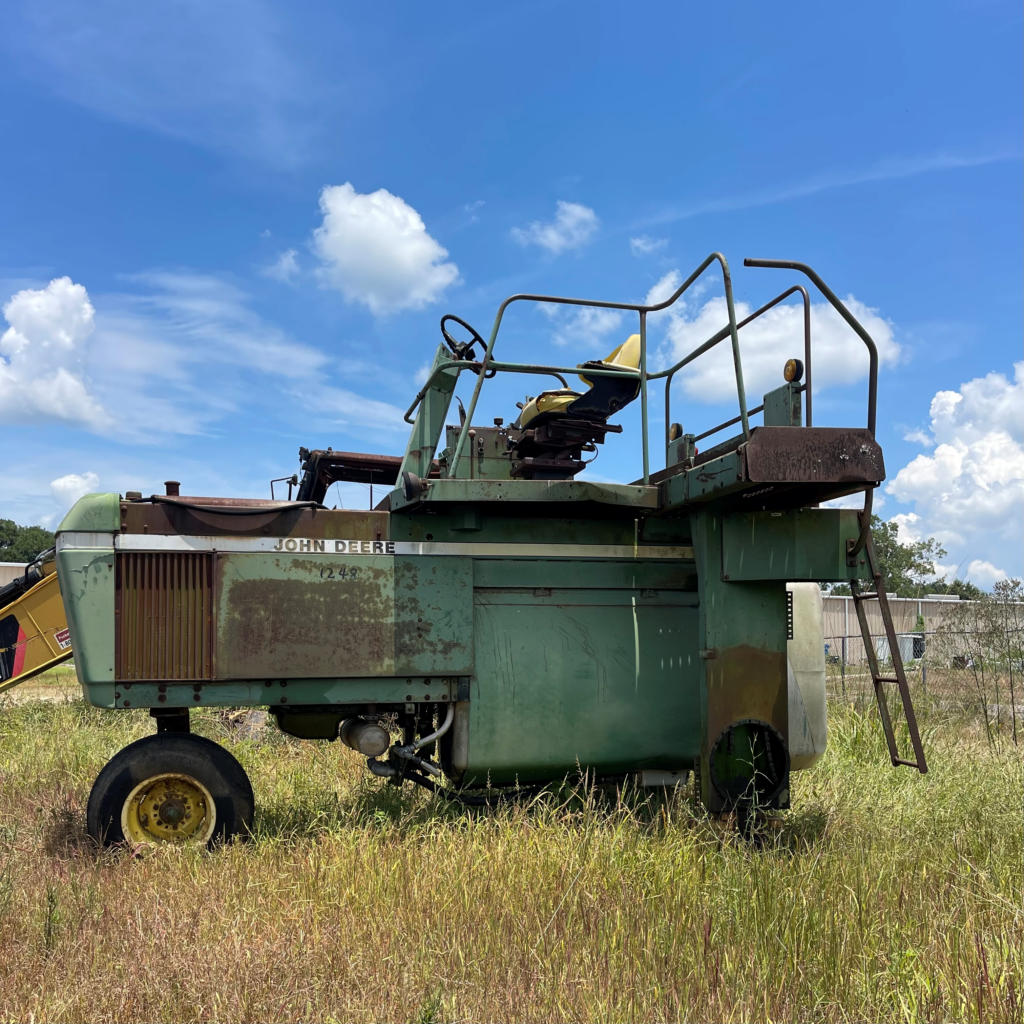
<point>984,574</point>
<point>68,489</point>
<point>284,268</point>
<point>839,356</point>
<point>572,228</point>
<point>375,250</point>
<point>969,491</point>
<point>43,354</point>
<point>585,327</point>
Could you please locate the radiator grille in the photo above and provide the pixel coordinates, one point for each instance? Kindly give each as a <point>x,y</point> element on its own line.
<point>164,610</point>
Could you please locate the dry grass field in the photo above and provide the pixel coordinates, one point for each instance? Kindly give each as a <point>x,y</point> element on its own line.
<point>884,896</point>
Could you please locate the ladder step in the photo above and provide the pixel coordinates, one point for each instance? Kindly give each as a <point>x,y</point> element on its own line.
<point>886,679</point>
<point>873,596</point>
<point>909,764</point>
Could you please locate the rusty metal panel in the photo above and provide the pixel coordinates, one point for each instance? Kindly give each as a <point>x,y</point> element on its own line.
<point>433,615</point>
<point>813,454</point>
<point>170,519</point>
<point>289,616</point>
<point>163,611</point>
<point>315,616</point>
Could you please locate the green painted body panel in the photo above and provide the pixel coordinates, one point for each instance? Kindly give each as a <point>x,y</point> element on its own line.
<point>93,513</point>
<point>802,544</point>
<point>429,423</point>
<point>783,407</point>
<point>86,577</point>
<point>485,457</point>
<point>501,526</point>
<point>629,496</point>
<point>597,574</point>
<point>714,479</point>
<point>568,678</point>
<point>330,615</point>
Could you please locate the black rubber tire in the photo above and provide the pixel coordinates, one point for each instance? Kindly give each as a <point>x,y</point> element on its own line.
<point>207,762</point>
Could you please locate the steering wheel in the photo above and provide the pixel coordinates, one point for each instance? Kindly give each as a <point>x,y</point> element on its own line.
<point>461,349</point>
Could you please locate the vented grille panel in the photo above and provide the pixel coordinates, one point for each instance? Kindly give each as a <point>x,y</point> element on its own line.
<point>164,608</point>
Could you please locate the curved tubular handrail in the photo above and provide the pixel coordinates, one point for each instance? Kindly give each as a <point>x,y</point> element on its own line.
<point>642,310</point>
<point>463,364</point>
<point>841,309</point>
<point>721,336</point>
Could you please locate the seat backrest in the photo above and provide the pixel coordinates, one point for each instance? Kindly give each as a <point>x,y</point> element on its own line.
<point>626,356</point>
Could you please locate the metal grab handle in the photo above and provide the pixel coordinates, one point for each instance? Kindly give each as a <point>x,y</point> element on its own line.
<point>841,309</point>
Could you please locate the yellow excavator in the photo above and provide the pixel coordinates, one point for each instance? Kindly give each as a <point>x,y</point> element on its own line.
<point>34,632</point>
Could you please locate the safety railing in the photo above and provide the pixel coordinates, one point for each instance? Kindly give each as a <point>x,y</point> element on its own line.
<point>721,336</point>
<point>487,366</point>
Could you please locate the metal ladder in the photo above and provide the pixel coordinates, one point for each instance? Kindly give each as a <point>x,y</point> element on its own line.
<point>899,677</point>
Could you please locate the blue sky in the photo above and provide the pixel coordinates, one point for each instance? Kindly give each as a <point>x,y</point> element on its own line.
<point>228,230</point>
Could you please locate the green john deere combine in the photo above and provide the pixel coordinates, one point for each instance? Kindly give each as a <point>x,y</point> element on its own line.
<point>495,623</point>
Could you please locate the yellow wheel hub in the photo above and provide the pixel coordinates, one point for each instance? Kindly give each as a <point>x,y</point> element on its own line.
<point>169,808</point>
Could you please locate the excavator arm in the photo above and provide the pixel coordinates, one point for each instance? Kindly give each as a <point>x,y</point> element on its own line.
<point>34,632</point>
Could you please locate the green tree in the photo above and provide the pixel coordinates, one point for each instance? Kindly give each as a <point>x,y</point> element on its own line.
<point>22,543</point>
<point>907,569</point>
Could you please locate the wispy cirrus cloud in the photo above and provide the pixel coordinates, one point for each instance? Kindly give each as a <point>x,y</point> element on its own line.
<point>889,169</point>
<point>216,75</point>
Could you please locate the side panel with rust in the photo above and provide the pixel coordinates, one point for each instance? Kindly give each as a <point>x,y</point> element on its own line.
<point>315,616</point>
<point>434,616</point>
<point>742,630</point>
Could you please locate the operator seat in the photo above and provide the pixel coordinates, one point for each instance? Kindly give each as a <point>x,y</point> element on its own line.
<point>555,428</point>
<point>607,395</point>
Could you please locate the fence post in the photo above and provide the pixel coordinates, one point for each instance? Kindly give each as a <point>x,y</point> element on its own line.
<point>842,670</point>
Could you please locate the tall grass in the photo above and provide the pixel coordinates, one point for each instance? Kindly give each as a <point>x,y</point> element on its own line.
<point>884,896</point>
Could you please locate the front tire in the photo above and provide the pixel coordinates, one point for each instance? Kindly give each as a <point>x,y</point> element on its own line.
<point>170,788</point>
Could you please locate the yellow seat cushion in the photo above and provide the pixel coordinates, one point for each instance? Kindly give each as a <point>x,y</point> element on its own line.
<point>625,357</point>
<point>547,401</point>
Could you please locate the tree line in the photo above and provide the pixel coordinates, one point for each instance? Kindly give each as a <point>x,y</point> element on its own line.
<point>22,543</point>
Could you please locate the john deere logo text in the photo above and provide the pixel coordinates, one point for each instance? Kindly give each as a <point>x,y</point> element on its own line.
<point>341,547</point>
